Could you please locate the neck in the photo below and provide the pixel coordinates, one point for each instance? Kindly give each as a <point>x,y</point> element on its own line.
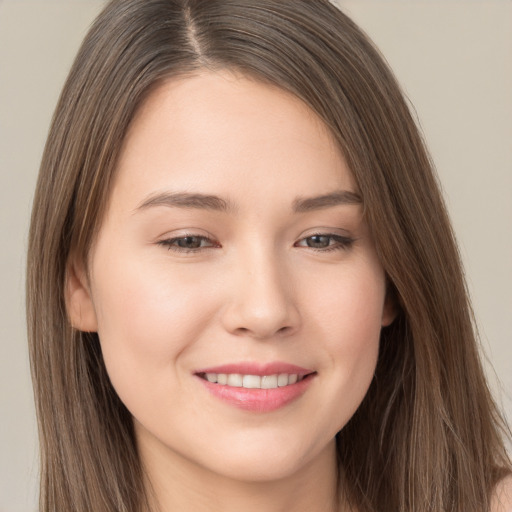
<point>176,483</point>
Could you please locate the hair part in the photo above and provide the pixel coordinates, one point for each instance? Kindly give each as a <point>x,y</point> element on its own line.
<point>427,435</point>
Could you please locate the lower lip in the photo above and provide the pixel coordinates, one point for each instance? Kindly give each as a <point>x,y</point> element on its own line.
<point>259,400</point>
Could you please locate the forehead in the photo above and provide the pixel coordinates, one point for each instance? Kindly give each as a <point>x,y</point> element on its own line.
<point>228,134</point>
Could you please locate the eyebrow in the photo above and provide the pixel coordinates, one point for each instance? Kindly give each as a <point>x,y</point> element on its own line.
<point>214,203</point>
<point>342,197</point>
<point>187,200</point>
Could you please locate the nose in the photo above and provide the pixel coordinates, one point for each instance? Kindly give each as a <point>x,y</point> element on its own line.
<point>262,302</point>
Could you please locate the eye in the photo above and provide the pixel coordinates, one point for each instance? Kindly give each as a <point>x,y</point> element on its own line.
<point>326,242</point>
<point>188,243</point>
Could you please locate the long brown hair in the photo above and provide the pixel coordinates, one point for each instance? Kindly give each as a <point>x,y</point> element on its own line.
<point>427,436</point>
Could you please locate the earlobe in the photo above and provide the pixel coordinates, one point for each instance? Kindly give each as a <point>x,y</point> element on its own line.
<point>79,304</point>
<point>390,309</point>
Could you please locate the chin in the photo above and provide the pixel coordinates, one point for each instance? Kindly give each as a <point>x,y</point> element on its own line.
<point>261,470</point>
<point>276,460</point>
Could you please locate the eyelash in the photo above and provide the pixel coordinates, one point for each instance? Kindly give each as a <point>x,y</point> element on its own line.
<point>341,243</point>
<point>169,243</point>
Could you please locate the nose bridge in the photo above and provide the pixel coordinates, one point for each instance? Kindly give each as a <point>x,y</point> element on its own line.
<point>262,303</point>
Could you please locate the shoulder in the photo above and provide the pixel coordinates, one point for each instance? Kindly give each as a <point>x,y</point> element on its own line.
<point>502,497</point>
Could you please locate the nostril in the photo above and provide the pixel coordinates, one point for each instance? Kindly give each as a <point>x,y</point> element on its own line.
<point>284,330</point>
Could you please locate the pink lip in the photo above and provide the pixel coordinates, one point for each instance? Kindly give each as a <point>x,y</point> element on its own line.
<point>258,400</point>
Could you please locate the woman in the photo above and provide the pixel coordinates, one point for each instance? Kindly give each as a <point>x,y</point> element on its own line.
<point>243,288</point>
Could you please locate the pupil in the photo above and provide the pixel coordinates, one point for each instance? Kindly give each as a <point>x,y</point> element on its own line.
<point>318,241</point>
<point>190,242</point>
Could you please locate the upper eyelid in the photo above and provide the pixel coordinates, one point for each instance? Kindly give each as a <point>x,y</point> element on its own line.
<point>212,238</point>
<point>184,234</point>
<point>329,235</point>
<point>187,235</point>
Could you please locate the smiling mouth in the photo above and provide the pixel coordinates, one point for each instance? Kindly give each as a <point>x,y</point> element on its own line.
<point>237,380</point>
<point>258,388</point>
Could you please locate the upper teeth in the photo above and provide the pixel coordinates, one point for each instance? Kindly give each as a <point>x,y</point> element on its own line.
<point>253,381</point>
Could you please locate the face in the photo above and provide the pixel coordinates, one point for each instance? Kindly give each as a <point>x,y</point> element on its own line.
<point>234,285</point>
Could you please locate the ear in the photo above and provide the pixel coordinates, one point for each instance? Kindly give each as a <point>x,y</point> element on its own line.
<point>390,309</point>
<point>79,305</point>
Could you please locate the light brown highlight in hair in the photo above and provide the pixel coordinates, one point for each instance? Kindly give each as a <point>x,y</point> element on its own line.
<point>427,437</point>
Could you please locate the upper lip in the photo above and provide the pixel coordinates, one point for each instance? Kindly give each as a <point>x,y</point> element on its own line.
<point>249,368</point>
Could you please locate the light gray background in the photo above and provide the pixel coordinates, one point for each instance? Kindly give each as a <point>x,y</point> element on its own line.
<point>454,59</point>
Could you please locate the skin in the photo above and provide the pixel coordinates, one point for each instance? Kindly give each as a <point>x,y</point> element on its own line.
<point>254,290</point>
<point>502,498</point>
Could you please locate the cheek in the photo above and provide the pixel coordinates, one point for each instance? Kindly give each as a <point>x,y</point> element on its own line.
<point>348,320</point>
<point>146,319</point>
<point>348,307</point>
